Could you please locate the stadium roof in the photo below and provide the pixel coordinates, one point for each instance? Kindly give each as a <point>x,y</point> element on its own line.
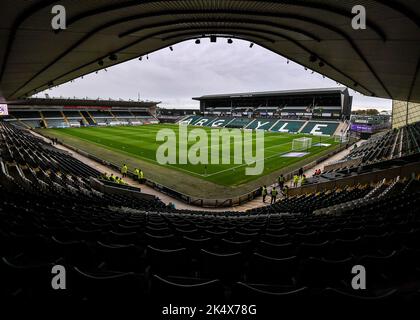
<point>274,93</point>
<point>83,102</point>
<point>382,60</point>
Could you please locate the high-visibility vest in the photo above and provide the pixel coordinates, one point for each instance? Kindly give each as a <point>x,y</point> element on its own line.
<point>141,175</point>
<point>274,192</point>
<point>303,181</point>
<point>281,179</point>
<point>264,191</point>
<point>136,172</point>
<point>296,179</point>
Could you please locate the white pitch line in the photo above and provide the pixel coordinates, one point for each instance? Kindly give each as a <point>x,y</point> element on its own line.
<point>244,165</point>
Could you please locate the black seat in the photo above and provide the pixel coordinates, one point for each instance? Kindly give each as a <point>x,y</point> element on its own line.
<point>187,291</point>
<point>378,268</point>
<point>77,253</point>
<point>277,239</point>
<point>194,245</point>
<point>106,286</point>
<point>231,246</point>
<point>268,270</point>
<point>169,262</point>
<point>321,273</point>
<point>226,267</point>
<point>27,281</point>
<point>125,258</point>
<point>283,250</point>
<point>317,250</point>
<point>162,242</point>
<point>269,295</point>
<point>340,297</point>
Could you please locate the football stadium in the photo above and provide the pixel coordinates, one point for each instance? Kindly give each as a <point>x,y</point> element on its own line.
<point>248,205</point>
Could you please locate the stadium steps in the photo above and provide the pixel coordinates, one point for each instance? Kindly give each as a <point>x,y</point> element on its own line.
<point>88,119</point>
<point>43,119</point>
<point>342,129</point>
<point>182,119</point>
<point>226,125</point>
<point>83,117</point>
<point>65,118</point>
<point>249,124</point>
<point>113,116</point>
<point>91,117</point>
<point>273,125</point>
<point>23,124</point>
<point>400,149</point>
<point>303,127</point>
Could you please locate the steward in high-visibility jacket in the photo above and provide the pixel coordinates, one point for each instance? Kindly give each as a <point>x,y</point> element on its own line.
<point>295,180</point>
<point>264,193</point>
<point>140,176</point>
<point>124,170</point>
<point>274,195</point>
<point>282,180</point>
<point>136,173</point>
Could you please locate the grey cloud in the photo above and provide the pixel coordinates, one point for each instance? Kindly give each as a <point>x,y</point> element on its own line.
<point>194,70</point>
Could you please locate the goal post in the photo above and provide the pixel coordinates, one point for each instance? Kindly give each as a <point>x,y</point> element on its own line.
<point>341,138</point>
<point>301,144</point>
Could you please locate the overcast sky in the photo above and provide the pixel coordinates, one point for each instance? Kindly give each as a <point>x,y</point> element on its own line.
<point>194,70</point>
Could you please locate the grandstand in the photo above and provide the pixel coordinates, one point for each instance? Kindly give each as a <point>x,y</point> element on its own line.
<point>365,126</point>
<point>145,246</point>
<point>327,128</point>
<point>330,103</point>
<point>65,113</point>
<point>174,115</point>
<point>52,213</point>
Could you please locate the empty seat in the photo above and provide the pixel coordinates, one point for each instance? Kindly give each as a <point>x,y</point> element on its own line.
<point>169,262</point>
<point>106,286</point>
<point>227,267</point>
<point>187,291</point>
<point>268,270</point>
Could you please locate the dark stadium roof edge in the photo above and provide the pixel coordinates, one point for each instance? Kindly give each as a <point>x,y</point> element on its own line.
<point>275,93</point>
<point>382,60</point>
<point>82,102</point>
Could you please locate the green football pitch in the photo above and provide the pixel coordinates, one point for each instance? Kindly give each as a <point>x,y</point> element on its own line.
<point>139,143</point>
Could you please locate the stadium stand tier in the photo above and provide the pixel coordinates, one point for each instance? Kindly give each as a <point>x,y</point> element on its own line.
<point>323,128</point>
<point>275,125</point>
<point>120,248</point>
<point>382,150</point>
<point>62,113</point>
<point>329,103</point>
<point>288,126</point>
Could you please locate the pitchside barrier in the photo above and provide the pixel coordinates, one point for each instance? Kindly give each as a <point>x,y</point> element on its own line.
<point>200,202</point>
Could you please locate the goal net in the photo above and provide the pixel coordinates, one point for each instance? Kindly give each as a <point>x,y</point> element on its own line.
<point>342,138</point>
<point>301,144</point>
